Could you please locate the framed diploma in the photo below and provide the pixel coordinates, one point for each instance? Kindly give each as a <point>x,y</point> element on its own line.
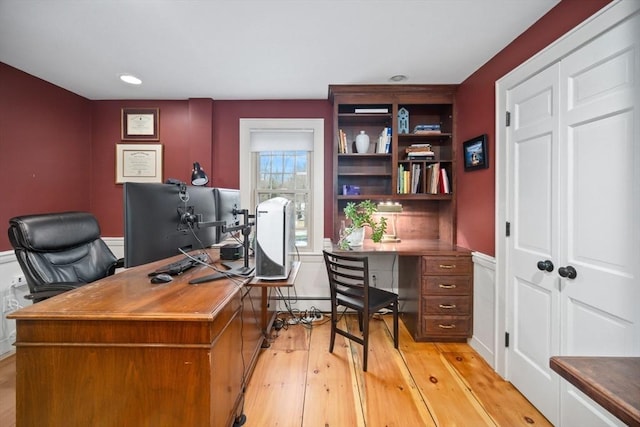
<point>138,163</point>
<point>140,124</point>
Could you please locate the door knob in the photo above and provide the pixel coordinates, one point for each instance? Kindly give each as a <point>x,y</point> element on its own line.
<point>568,272</point>
<point>545,265</point>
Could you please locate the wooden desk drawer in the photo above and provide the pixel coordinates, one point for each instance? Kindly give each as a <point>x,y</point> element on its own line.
<point>447,265</point>
<point>446,285</point>
<point>457,305</point>
<point>447,326</point>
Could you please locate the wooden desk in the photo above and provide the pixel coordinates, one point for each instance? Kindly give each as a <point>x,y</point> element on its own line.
<point>123,351</point>
<point>435,287</point>
<point>613,382</point>
<point>266,319</point>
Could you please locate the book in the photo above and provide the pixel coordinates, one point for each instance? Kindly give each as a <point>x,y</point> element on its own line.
<point>444,177</point>
<point>427,127</point>
<point>370,110</point>
<point>415,178</point>
<point>421,155</point>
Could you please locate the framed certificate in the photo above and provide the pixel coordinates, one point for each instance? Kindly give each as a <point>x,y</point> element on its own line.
<point>138,163</point>
<point>140,124</point>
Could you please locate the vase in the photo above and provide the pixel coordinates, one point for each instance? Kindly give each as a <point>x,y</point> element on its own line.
<point>362,142</point>
<point>356,237</point>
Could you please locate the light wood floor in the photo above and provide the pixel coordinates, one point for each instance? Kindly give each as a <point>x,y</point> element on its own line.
<point>297,382</point>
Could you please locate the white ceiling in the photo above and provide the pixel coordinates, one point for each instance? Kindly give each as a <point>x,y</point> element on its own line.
<point>254,49</point>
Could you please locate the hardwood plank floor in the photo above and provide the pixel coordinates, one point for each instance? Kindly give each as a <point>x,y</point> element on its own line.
<point>297,382</point>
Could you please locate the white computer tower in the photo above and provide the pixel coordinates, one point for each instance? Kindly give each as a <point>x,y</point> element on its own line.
<point>275,238</point>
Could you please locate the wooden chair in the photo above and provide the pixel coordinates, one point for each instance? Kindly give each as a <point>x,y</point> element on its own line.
<point>349,285</point>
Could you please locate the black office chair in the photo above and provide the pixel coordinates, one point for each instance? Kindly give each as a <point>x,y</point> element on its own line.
<point>349,283</point>
<point>58,252</point>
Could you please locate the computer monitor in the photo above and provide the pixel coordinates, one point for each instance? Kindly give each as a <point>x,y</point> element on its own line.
<point>160,219</point>
<point>228,203</point>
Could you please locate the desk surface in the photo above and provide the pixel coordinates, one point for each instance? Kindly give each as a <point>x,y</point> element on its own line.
<point>613,382</point>
<point>124,296</point>
<point>288,282</point>
<point>408,247</point>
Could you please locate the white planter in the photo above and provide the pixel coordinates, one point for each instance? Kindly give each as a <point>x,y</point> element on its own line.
<point>356,237</point>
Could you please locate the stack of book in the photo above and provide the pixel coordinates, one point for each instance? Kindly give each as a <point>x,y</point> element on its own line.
<point>428,129</point>
<point>437,180</point>
<point>384,141</point>
<point>342,142</point>
<point>409,180</point>
<point>420,152</point>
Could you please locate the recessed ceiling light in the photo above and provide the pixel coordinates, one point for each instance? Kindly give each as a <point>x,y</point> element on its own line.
<point>398,78</point>
<point>131,79</point>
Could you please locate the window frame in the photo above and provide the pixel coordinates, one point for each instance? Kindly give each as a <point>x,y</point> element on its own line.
<point>248,169</point>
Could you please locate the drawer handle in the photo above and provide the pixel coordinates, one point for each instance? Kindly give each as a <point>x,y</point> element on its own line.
<point>447,306</point>
<point>447,266</point>
<point>446,326</point>
<point>447,286</point>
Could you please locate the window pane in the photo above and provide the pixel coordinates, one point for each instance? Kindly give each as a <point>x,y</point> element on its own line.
<point>285,174</point>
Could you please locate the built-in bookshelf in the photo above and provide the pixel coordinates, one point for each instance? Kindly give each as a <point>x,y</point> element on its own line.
<point>410,161</point>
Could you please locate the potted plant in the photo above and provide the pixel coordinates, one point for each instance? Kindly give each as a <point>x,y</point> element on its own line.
<point>361,215</point>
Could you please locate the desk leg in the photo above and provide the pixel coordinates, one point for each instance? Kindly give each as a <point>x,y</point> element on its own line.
<point>265,317</point>
<point>265,306</point>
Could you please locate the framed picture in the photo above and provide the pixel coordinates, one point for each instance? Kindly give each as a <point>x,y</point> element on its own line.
<point>138,163</point>
<point>475,153</point>
<point>140,124</point>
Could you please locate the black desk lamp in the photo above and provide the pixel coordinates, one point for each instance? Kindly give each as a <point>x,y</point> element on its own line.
<point>198,177</point>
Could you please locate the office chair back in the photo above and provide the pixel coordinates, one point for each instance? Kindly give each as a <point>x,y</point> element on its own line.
<point>349,287</point>
<point>58,252</point>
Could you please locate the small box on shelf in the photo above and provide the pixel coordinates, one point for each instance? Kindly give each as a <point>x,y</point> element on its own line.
<point>350,190</point>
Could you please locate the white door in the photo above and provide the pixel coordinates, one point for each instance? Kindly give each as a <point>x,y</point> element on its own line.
<point>533,148</point>
<point>599,211</point>
<point>574,200</point>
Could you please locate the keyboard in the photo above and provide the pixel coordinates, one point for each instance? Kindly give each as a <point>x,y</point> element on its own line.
<point>181,265</point>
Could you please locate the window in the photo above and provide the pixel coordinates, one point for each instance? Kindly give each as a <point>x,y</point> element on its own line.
<point>286,174</point>
<point>278,157</point>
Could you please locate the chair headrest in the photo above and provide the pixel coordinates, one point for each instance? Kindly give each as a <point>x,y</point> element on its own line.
<point>53,231</point>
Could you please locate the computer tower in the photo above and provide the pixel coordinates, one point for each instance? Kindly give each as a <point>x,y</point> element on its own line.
<point>275,238</point>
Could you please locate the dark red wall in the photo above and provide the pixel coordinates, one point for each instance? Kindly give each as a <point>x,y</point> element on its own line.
<point>45,148</point>
<point>175,137</point>
<point>227,117</point>
<point>476,105</point>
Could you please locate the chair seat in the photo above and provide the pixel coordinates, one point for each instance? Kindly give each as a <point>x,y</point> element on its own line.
<point>378,298</point>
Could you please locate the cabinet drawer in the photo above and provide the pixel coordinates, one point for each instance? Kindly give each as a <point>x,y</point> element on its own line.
<point>447,265</point>
<point>447,325</point>
<point>446,285</point>
<point>457,305</point>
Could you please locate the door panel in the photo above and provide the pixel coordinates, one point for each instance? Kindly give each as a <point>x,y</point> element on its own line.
<point>599,308</point>
<point>533,308</point>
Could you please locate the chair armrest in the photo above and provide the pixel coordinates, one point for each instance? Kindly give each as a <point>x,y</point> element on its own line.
<point>118,264</point>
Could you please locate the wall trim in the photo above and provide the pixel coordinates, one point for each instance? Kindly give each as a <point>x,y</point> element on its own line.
<point>7,257</point>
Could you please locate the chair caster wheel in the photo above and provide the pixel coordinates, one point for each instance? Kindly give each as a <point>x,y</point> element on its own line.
<point>240,420</point>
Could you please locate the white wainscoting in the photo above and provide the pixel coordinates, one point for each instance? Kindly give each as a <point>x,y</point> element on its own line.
<point>484,339</point>
<point>11,298</point>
